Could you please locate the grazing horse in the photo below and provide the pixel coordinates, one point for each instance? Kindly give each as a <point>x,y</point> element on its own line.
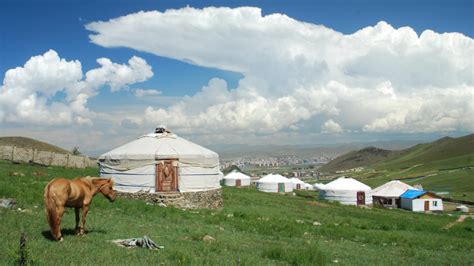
<point>77,193</point>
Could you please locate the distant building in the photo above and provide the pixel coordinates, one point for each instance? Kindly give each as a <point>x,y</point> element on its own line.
<point>419,201</point>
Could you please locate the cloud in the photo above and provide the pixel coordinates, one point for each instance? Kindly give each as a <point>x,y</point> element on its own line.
<point>331,127</point>
<point>145,92</point>
<point>49,90</point>
<point>297,74</point>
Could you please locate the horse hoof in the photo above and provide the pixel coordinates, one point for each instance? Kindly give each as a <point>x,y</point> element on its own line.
<point>61,239</point>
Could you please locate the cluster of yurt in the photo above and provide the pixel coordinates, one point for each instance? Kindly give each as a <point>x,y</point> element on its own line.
<point>161,162</point>
<point>274,183</point>
<point>236,179</point>
<point>347,191</point>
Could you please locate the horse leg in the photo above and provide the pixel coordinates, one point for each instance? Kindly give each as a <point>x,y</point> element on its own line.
<point>57,234</point>
<point>82,229</point>
<point>77,210</point>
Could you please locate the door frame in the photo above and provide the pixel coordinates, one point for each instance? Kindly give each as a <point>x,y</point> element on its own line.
<point>159,174</point>
<point>427,205</point>
<point>360,198</point>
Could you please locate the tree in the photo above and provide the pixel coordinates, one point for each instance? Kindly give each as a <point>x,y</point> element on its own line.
<point>75,151</point>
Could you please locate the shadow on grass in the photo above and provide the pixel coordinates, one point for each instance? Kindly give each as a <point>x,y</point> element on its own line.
<point>70,232</point>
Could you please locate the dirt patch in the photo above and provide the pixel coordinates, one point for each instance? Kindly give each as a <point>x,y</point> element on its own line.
<point>459,220</point>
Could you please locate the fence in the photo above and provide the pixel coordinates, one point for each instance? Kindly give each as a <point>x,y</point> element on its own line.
<point>16,154</point>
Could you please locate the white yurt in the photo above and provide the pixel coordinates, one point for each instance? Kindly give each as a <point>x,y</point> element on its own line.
<point>347,191</point>
<point>161,162</point>
<point>297,183</point>
<point>308,186</point>
<point>388,194</point>
<point>236,179</point>
<point>274,183</point>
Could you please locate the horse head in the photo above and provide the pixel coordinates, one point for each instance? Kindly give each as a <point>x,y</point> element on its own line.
<point>106,188</point>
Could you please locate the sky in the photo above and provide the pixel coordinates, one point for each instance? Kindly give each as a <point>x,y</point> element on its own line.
<point>97,74</point>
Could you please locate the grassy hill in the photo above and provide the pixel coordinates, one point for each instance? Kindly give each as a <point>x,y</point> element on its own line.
<point>24,142</point>
<point>363,157</point>
<point>253,228</point>
<point>444,153</point>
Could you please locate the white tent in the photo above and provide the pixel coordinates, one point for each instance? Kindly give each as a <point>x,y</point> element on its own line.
<point>236,179</point>
<point>318,186</point>
<point>161,161</point>
<point>392,189</point>
<point>347,191</point>
<point>389,193</point>
<point>274,183</point>
<point>308,186</point>
<point>297,183</point>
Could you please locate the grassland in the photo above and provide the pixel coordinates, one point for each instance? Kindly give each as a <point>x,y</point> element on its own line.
<point>254,228</point>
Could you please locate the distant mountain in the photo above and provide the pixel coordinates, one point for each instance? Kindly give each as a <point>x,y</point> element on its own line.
<point>303,151</point>
<point>445,152</point>
<point>23,142</point>
<point>363,157</point>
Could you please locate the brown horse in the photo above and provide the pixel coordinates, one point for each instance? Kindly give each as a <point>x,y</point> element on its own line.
<point>77,193</point>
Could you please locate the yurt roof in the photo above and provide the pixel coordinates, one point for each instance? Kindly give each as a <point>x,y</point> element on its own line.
<point>163,145</point>
<point>273,178</point>
<point>343,183</point>
<point>236,175</point>
<point>296,181</point>
<point>393,188</point>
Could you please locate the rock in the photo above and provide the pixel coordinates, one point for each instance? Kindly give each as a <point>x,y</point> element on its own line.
<point>208,238</point>
<point>300,221</point>
<point>316,223</point>
<point>162,204</point>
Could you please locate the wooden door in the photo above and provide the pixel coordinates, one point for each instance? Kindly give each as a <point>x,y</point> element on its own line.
<point>281,187</point>
<point>238,182</point>
<point>360,198</point>
<point>427,205</point>
<point>166,178</point>
<point>298,186</point>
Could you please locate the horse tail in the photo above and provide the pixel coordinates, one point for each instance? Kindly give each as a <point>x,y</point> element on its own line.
<point>50,207</point>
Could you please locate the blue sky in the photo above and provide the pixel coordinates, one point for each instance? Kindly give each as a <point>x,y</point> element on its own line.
<point>31,28</point>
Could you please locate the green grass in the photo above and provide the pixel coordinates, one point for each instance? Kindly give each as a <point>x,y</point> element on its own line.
<point>254,228</point>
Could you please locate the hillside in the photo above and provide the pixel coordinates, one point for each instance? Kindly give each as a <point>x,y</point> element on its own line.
<point>253,228</point>
<point>24,142</point>
<point>443,153</point>
<point>364,157</point>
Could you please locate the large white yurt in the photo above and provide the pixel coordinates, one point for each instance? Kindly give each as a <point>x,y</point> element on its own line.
<point>274,183</point>
<point>347,191</point>
<point>161,162</point>
<point>297,183</point>
<point>236,179</point>
<point>388,194</point>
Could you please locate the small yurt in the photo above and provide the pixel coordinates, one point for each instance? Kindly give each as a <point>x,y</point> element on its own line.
<point>388,194</point>
<point>161,162</point>
<point>308,186</point>
<point>274,183</point>
<point>236,179</point>
<point>297,183</point>
<point>347,191</point>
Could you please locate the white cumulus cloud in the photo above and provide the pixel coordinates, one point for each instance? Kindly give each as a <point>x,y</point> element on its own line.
<point>331,127</point>
<point>29,94</point>
<point>297,74</point>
